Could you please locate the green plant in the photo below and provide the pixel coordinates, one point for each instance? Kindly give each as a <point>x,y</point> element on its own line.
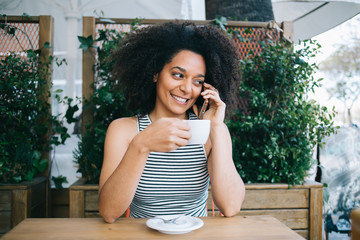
<point>58,181</point>
<point>27,127</point>
<point>275,134</point>
<point>106,104</point>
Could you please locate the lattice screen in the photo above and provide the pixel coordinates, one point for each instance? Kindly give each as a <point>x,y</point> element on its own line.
<point>20,41</point>
<point>250,41</point>
<point>251,36</point>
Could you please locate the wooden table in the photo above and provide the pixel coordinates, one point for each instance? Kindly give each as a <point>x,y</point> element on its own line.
<point>239,227</point>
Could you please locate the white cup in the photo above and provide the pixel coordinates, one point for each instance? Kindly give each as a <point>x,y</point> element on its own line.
<point>199,130</point>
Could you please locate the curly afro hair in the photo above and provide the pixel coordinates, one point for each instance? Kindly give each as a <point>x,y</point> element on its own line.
<point>142,54</point>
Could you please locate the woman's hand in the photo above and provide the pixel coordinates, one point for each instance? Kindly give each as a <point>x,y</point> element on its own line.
<point>216,112</point>
<point>165,135</point>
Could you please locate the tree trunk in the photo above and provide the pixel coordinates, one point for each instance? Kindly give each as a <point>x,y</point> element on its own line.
<point>240,10</point>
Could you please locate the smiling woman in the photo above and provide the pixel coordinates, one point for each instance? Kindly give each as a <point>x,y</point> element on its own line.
<point>168,71</point>
<point>179,84</point>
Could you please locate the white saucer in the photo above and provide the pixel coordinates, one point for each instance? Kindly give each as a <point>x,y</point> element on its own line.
<point>184,224</point>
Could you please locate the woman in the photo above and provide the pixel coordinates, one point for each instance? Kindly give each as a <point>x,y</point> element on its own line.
<point>167,71</point>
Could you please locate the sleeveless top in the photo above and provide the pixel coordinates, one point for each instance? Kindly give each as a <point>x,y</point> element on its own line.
<point>173,182</point>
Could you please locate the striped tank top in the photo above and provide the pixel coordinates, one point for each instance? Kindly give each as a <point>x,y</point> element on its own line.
<point>173,182</point>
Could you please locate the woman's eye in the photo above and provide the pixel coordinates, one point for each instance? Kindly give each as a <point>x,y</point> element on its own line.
<point>178,75</point>
<point>199,82</point>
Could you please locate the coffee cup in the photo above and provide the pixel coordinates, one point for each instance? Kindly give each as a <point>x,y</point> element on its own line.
<point>199,130</point>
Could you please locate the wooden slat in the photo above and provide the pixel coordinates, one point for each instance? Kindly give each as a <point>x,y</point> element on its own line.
<point>76,204</point>
<point>293,218</point>
<point>272,199</point>
<point>5,221</point>
<point>59,211</point>
<point>316,200</point>
<point>38,210</point>
<point>91,201</point>
<point>92,215</point>
<point>304,233</point>
<point>60,196</point>
<point>40,196</point>
<point>307,185</point>
<point>5,200</point>
<point>24,185</point>
<point>20,206</point>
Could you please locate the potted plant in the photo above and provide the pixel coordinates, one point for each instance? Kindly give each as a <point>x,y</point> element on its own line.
<point>275,134</point>
<point>27,132</point>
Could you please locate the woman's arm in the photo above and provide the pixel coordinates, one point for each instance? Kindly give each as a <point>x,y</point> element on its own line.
<point>124,161</point>
<point>125,155</point>
<point>227,187</point>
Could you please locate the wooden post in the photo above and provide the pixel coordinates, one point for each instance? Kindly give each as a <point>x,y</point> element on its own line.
<point>46,35</point>
<point>288,31</point>
<point>316,200</point>
<point>76,203</point>
<point>88,76</point>
<point>20,205</point>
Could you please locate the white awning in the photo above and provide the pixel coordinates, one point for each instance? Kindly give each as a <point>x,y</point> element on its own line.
<point>311,18</point>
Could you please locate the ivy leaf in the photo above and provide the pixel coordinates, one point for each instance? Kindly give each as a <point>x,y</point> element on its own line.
<point>248,30</point>
<point>41,165</point>
<point>221,21</point>
<point>69,115</point>
<point>10,30</point>
<point>86,42</point>
<point>29,175</point>
<point>47,45</point>
<point>58,181</point>
<point>17,179</point>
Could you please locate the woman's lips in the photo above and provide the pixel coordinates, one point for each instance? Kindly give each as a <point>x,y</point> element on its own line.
<point>180,99</point>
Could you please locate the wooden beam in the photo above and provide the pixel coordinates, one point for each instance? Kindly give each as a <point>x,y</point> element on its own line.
<point>19,19</point>
<point>88,77</point>
<point>288,31</point>
<point>197,22</point>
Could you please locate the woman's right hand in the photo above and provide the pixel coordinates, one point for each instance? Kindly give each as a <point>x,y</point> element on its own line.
<point>165,135</point>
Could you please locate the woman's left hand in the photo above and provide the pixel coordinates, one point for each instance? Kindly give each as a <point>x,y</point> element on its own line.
<point>216,111</point>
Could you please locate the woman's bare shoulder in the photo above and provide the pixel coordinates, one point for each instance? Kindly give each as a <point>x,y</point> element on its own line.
<point>123,127</point>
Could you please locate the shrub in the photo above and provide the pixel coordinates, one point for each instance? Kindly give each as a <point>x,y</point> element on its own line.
<point>27,127</point>
<point>106,104</point>
<point>274,136</point>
